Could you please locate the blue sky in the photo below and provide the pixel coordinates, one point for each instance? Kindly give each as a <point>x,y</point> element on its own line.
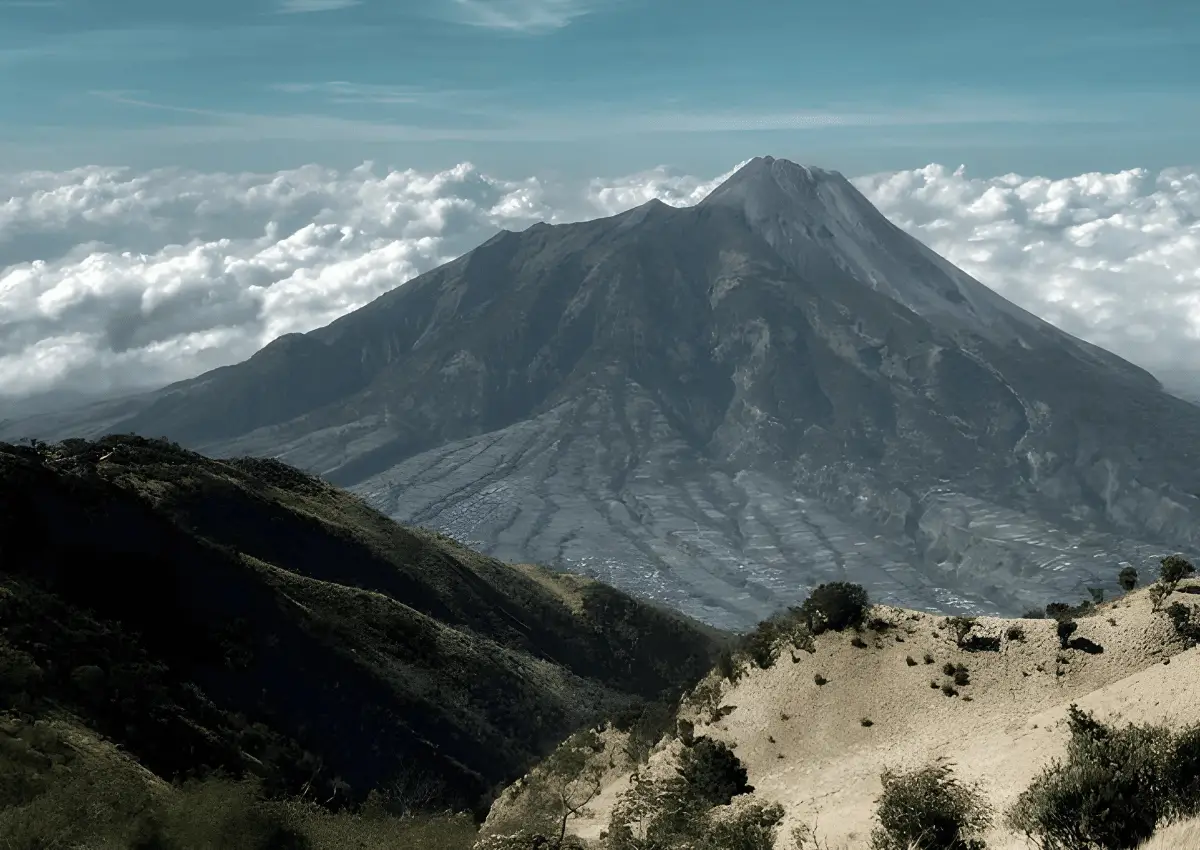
<point>594,87</point>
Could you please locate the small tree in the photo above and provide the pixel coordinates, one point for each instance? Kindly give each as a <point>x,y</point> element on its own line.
<point>678,810</point>
<point>929,809</point>
<point>1185,626</point>
<point>562,788</point>
<point>837,605</point>
<point>1183,773</point>
<point>1058,610</point>
<point>712,772</point>
<point>1065,628</point>
<point>1174,569</point>
<point>750,827</point>
<point>1128,579</point>
<point>1109,794</point>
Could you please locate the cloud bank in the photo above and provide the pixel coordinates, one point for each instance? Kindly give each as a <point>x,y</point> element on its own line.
<point>1111,258</point>
<point>114,280</point>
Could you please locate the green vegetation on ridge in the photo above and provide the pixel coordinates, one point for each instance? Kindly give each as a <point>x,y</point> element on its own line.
<point>241,616</point>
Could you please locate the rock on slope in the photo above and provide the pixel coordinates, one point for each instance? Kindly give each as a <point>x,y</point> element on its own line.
<point>720,406</point>
<point>806,748</point>
<point>241,614</point>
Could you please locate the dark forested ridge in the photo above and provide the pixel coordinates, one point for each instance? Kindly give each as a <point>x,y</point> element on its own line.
<point>243,616</point>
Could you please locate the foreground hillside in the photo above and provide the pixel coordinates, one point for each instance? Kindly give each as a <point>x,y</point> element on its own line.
<point>818,726</point>
<point>241,616</point>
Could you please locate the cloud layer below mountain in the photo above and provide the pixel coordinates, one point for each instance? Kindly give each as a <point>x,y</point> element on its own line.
<point>116,280</point>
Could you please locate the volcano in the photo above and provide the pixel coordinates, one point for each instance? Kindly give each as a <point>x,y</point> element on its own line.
<point>717,407</point>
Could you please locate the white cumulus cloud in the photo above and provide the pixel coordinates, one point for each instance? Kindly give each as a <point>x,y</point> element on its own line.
<point>114,280</point>
<point>1112,258</point>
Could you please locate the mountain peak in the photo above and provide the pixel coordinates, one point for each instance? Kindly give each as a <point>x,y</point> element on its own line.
<point>766,176</point>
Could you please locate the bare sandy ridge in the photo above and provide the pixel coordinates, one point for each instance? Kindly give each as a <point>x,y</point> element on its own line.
<point>823,765</point>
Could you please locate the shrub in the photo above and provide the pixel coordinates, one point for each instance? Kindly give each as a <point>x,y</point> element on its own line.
<point>928,658</point>
<point>819,679</point>
<point>1109,794</point>
<point>1174,569</point>
<point>948,690</point>
<point>960,627</point>
<point>712,772</point>
<point>1034,614</point>
<point>929,809</point>
<point>750,827</point>
<point>910,661</point>
<point>1128,579</point>
<point>661,814</point>
<point>763,642</point>
<point>677,811</point>
<point>1157,594</point>
<point>98,805</point>
<point>949,669</point>
<point>1064,629</point>
<point>727,667</point>
<point>562,788</point>
<point>528,839</point>
<point>858,642</point>
<point>962,677</point>
<point>982,643</point>
<point>868,722</point>
<point>1015,633</point>
<point>1055,610</point>
<point>1185,626</point>
<point>654,720</point>
<point>837,605</point>
<point>1183,773</point>
<point>759,646</point>
<point>1097,594</point>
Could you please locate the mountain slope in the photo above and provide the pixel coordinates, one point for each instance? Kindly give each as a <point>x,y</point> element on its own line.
<point>243,615</point>
<point>717,407</point>
<point>806,747</point>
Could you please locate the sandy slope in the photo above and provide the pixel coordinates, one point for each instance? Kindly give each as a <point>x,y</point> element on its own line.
<point>823,765</point>
<point>1180,836</point>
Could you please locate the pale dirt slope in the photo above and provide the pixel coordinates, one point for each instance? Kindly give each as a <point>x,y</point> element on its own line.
<point>823,765</point>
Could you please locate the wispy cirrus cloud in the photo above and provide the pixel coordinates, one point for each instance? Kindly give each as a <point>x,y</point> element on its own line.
<point>341,91</point>
<point>484,116</point>
<point>298,7</point>
<point>531,17</point>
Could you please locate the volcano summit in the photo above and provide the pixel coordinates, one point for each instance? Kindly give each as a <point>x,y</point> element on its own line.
<point>719,406</point>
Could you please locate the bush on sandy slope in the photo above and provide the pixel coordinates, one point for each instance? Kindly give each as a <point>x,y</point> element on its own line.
<point>837,605</point>
<point>1185,622</point>
<point>764,642</point>
<point>1174,569</point>
<point>704,805</point>
<point>1115,787</point>
<point>712,773</point>
<point>557,792</point>
<point>1128,579</point>
<point>929,809</point>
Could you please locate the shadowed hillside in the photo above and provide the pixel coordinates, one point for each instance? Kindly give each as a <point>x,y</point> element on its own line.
<point>241,615</point>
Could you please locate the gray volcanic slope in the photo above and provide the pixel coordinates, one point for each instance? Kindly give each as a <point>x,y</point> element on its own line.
<point>718,407</point>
